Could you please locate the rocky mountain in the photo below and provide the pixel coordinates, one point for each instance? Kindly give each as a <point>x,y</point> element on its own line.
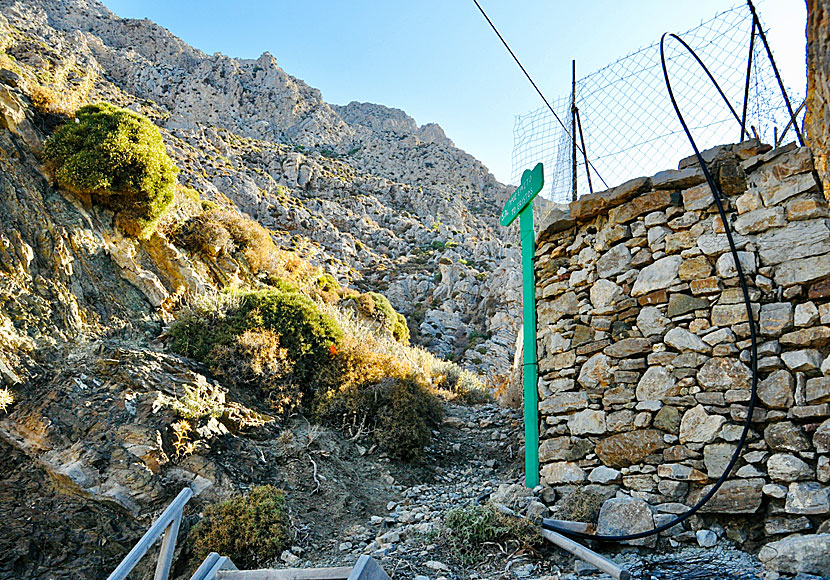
<point>383,203</point>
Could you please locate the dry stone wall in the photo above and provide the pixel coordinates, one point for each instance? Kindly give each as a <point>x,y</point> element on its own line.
<point>644,348</point>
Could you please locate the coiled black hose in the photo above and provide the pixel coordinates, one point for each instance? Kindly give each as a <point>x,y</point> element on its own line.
<point>742,279</point>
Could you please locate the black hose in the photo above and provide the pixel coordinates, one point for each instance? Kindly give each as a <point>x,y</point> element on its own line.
<point>742,279</point>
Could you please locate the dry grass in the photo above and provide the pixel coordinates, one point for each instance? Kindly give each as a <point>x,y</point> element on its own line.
<point>6,399</point>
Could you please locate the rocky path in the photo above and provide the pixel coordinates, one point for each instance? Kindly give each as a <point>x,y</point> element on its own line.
<point>478,451</point>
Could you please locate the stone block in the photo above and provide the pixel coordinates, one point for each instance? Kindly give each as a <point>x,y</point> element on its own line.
<point>562,472</point>
<point>659,275</point>
<point>694,268</point>
<point>796,240</point>
<point>626,449</point>
<point>817,391</point>
<point>722,373</point>
<point>697,426</point>
<point>615,261</point>
<point>798,555</point>
<point>775,318</point>
<point>736,496</point>
<point>786,468</point>
<point>785,436</point>
<point>808,498</point>
<point>626,515</point>
<point>656,385</point>
<point>656,200</point>
<point>760,220</point>
<point>681,339</point>
<point>776,391</point>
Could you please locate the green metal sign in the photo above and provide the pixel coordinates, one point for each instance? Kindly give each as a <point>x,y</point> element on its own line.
<point>521,204</point>
<point>532,182</point>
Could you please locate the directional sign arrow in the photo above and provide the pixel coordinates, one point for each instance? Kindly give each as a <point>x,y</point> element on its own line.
<point>532,182</point>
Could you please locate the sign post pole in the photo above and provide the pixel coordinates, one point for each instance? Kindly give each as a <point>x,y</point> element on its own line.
<point>520,205</point>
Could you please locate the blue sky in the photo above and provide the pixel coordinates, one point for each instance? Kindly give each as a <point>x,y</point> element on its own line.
<point>438,59</point>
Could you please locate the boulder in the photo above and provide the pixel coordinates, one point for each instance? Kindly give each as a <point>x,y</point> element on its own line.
<point>798,555</point>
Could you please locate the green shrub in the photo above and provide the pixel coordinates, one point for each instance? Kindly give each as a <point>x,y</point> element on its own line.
<point>377,307</point>
<point>116,158</point>
<point>250,530</point>
<point>256,363</point>
<point>327,283</point>
<point>472,527</point>
<point>307,333</point>
<point>580,506</point>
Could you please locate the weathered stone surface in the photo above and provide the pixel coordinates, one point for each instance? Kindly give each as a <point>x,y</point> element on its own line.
<point>821,438</point>
<point>651,321</point>
<point>604,475</point>
<point>615,261</point>
<point>554,449</point>
<point>736,496</point>
<point>797,240</point>
<point>775,318</point>
<point>556,220</point>
<point>653,201</point>
<point>805,209</point>
<point>731,314</point>
<point>680,304</point>
<point>680,472</point>
<point>705,286</point>
<point>785,468</point>
<point>802,360</point>
<point>562,472</point>
<point>587,422</point>
<point>760,220</point>
<point>725,265</point>
<point>563,403</point>
<point>721,373</point>
<point>785,436</point>
<point>697,426</point>
<point>698,197</point>
<point>818,337</point>
<point>775,526</point>
<point>625,449</point>
<point>802,271</point>
<point>626,515</point>
<point>776,391</point>
<point>716,244</point>
<point>774,192</point>
<point>808,498</point>
<point>659,275</point>
<point>798,555</point>
<point>604,293</point>
<point>806,314</point>
<point>553,310</point>
<point>628,347</point>
<point>681,339</point>
<point>716,457</point>
<point>667,419</point>
<point>656,384</point>
<point>594,204</point>
<point>817,391</point>
<point>694,268</point>
<point>678,178</point>
<point>595,372</point>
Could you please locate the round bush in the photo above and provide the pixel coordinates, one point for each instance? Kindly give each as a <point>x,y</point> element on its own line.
<point>116,158</point>
<point>250,530</point>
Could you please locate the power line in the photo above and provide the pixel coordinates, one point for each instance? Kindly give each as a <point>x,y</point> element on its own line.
<point>518,62</point>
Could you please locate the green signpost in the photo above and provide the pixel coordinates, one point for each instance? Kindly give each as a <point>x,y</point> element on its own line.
<point>521,204</point>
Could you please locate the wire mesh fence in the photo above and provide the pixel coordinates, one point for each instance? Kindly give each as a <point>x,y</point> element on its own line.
<point>628,122</point>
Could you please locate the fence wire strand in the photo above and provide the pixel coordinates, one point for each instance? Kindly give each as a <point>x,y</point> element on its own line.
<point>628,122</point>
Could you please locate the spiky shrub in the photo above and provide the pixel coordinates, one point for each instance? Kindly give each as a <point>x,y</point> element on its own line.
<point>251,530</point>
<point>377,307</point>
<point>473,527</point>
<point>116,158</point>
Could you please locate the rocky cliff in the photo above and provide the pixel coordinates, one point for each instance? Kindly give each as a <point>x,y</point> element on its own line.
<point>361,188</point>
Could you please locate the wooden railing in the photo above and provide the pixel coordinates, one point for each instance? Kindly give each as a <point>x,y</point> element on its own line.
<point>167,524</point>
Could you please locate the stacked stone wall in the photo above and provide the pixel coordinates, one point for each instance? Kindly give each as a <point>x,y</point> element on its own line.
<point>644,350</point>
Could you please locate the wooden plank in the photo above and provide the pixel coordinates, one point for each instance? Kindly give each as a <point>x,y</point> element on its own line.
<point>367,569</point>
<point>341,573</point>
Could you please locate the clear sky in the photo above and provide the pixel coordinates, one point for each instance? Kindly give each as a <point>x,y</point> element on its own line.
<point>439,60</point>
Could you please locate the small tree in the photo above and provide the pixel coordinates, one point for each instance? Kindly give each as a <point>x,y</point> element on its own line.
<point>116,158</point>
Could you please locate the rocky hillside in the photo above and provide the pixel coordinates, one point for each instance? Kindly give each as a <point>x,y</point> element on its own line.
<point>362,189</point>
